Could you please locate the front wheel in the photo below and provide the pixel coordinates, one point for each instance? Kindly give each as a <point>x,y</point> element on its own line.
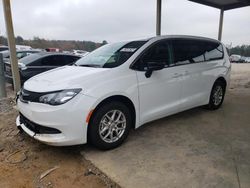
<point>217,95</point>
<point>110,125</point>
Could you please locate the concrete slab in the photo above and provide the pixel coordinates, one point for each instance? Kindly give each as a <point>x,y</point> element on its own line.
<point>196,148</point>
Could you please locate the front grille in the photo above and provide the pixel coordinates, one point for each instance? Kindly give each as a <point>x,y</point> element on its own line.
<point>7,69</point>
<point>29,96</point>
<point>39,129</point>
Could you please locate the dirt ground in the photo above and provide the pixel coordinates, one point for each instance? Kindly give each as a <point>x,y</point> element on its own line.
<point>23,161</point>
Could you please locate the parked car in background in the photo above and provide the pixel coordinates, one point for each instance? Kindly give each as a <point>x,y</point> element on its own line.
<point>239,59</point>
<point>23,47</point>
<point>122,86</point>
<point>247,60</point>
<point>80,52</point>
<point>20,54</point>
<point>5,54</point>
<point>23,53</point>
<point>18,47</point>
<point>52,50</point>
<point>243,59</point>
<point>66,52</point>
<point>3,48</point>
<point>235,58</point>
<point>37,63</point>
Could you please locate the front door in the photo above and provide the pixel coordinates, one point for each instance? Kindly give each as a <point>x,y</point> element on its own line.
<point>159,95</point>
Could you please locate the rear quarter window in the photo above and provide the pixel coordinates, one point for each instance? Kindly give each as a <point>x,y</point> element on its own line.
<point>214,51</point>
<point>53,60</point>
<point>70,59</point>
<point>188,51</point>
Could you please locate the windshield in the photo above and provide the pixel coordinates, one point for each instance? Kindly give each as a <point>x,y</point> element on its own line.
<point>30,58</point>
<point>110,55</point>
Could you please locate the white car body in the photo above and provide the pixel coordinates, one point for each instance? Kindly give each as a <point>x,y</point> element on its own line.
<point>235,58</point>
<point>247,59</point>
<point>81,53</point>
<point>167,91</point>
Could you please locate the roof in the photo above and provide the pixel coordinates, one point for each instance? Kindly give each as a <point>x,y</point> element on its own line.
<point>224,4</point>
<point>42,53</point>
<point>185,37</point>
<point>31,50</point>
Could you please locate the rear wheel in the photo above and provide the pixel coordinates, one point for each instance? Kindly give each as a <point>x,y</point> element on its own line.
<point>110,125</point>
<point>217,95</point>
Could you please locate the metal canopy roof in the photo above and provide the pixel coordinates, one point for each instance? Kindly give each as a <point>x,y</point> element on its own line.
<point>224,4</point>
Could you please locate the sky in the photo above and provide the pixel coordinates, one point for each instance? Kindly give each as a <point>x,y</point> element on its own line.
<point>120,20</point>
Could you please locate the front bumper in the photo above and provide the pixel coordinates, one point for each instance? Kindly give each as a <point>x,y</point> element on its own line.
<point>50,139</point>
<point>68,118</point>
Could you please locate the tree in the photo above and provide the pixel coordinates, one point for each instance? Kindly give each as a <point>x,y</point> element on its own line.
<point>3,41</point>
<point>243,50</point>
<point>104,42</point>
<point>19,40</point>
<point>41,43</point>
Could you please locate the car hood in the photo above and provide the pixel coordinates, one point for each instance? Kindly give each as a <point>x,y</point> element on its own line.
<point>67,77</point>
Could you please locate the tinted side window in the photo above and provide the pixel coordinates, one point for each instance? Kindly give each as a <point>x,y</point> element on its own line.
<point>70,59</point>
<point>213,51</point>
<point>158,53</point>
<point>53,60</point>
<point>188,51</point>
<point>35,63</point>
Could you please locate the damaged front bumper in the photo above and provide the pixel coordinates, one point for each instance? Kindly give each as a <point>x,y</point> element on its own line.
<point>50,139</point>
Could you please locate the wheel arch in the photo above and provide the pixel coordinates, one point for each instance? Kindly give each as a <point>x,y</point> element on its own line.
<point>220,78</point>
<point>120,98</point>
<point>223,80</point>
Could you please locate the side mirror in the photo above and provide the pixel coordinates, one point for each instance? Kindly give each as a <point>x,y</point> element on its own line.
<point>153,66</point>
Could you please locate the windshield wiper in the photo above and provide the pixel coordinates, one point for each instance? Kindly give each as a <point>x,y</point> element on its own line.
<point>89,65</point>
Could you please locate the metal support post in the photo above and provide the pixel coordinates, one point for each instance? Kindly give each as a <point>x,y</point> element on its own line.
<point>12,45</point>
<point>158,17</point>
<point>221,24</point>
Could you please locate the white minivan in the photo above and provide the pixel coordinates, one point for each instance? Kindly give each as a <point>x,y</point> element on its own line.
<point>122,86</point>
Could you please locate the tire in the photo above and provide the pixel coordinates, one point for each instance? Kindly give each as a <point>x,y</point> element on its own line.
<point>105,124</point>
<point>217,95</point>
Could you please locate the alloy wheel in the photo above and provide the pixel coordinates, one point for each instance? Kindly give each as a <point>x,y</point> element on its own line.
<point>112,126</point>
<point>217,95</point>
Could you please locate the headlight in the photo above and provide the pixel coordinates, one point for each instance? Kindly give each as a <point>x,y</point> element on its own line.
<point>22,66</point>
<point>59,97</point>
